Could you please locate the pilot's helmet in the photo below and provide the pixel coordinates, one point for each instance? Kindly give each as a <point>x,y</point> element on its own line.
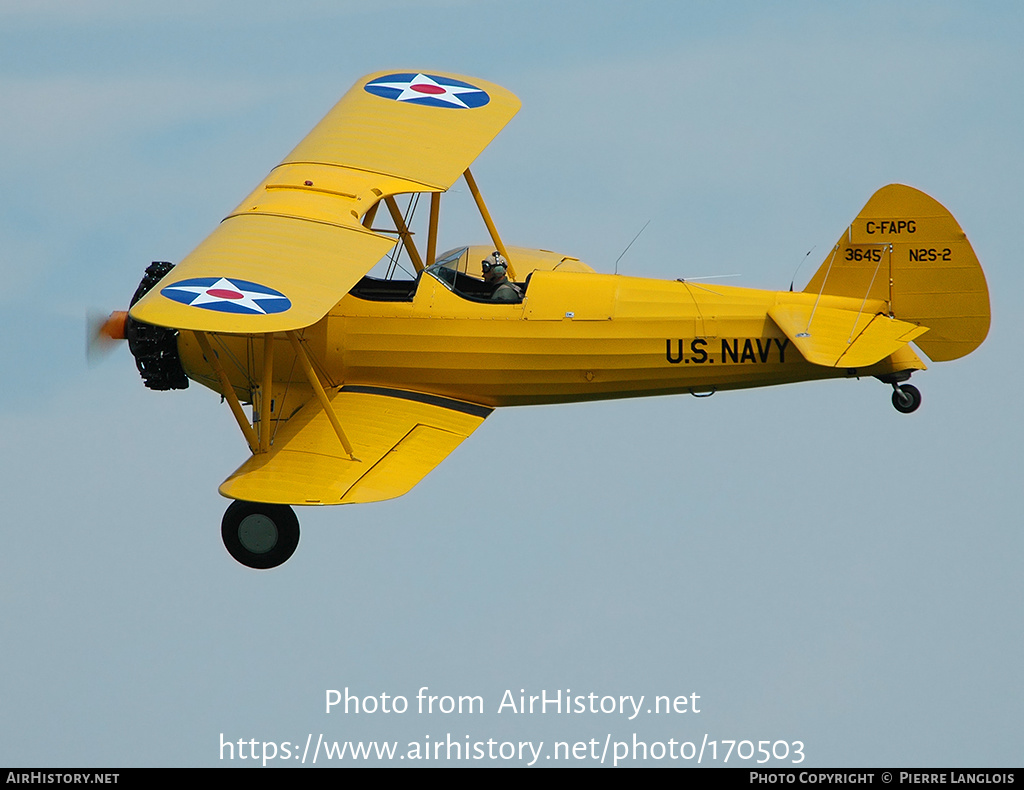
<point>496,262</point>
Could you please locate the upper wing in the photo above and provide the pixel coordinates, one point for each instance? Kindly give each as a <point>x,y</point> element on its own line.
<point>296,245</point>
<point>839,338</point>
<point>397,437</point>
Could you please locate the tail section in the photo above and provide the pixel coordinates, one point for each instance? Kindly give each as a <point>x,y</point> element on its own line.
<point>907,250</point>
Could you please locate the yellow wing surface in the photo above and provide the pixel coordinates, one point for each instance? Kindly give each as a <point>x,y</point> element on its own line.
<point>397,437</point>
<point>296,245</point>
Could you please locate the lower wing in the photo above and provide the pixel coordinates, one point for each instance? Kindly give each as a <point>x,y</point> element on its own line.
<point>397,437</point>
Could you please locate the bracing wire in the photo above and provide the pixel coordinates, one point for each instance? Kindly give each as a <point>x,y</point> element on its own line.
<point>410,212</point>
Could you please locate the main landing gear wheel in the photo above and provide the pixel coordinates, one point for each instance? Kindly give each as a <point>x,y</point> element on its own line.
<point>905,397</point>
<point>260,536</point>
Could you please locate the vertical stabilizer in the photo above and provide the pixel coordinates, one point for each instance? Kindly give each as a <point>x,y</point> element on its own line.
<point>907,250</point>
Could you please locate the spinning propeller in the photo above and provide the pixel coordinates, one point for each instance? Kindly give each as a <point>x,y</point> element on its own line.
<point>103,333</point>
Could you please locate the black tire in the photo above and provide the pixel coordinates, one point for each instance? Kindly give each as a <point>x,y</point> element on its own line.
<point>906,398</point>
<point>260,536</point>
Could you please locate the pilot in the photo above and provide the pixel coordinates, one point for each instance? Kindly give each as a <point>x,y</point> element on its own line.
<point>495,269</point>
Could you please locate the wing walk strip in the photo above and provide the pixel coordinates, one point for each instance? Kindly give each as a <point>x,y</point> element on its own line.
<point>465,407</point>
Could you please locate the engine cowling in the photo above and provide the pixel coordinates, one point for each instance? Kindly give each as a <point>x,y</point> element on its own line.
<point>155,348</point>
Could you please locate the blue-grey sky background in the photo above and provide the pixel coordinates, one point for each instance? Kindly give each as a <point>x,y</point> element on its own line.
<point>814,565</point>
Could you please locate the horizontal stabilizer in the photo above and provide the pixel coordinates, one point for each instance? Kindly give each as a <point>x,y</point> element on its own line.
<point>397,438</point>
<point>838,338</point>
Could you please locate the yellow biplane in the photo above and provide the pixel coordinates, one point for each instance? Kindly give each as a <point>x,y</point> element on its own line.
<point>360,385</point>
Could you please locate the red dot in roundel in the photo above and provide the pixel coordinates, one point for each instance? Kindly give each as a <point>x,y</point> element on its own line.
<point>426,87</point>
<point>221,293</point>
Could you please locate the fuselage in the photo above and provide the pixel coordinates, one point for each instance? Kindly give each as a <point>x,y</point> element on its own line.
<point>576,336</point>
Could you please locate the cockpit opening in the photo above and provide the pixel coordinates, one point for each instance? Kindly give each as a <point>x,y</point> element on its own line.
<point>377,290</point>
<point>451,269</point>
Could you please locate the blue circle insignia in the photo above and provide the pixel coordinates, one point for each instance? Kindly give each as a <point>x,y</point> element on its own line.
<point>227,295</point>
<point>429,90</point>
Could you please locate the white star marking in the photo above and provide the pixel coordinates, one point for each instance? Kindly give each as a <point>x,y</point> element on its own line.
<point>445,93</point>
<point>203,295</point>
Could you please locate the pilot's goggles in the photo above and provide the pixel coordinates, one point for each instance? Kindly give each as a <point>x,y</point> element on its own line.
<point>489,263</point>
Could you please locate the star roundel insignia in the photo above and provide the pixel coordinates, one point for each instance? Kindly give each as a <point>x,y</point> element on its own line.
<point>227,296</point>
<point>428,90</point>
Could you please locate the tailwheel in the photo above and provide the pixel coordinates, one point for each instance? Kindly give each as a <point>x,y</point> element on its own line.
<point>260,536</point>
<point>905,397</point>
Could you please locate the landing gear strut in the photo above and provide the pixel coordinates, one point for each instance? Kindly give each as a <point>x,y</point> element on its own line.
<point>905,397</point>
<point>260,536</point>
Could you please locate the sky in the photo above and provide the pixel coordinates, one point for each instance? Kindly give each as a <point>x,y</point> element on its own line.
<point>802,563</point>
